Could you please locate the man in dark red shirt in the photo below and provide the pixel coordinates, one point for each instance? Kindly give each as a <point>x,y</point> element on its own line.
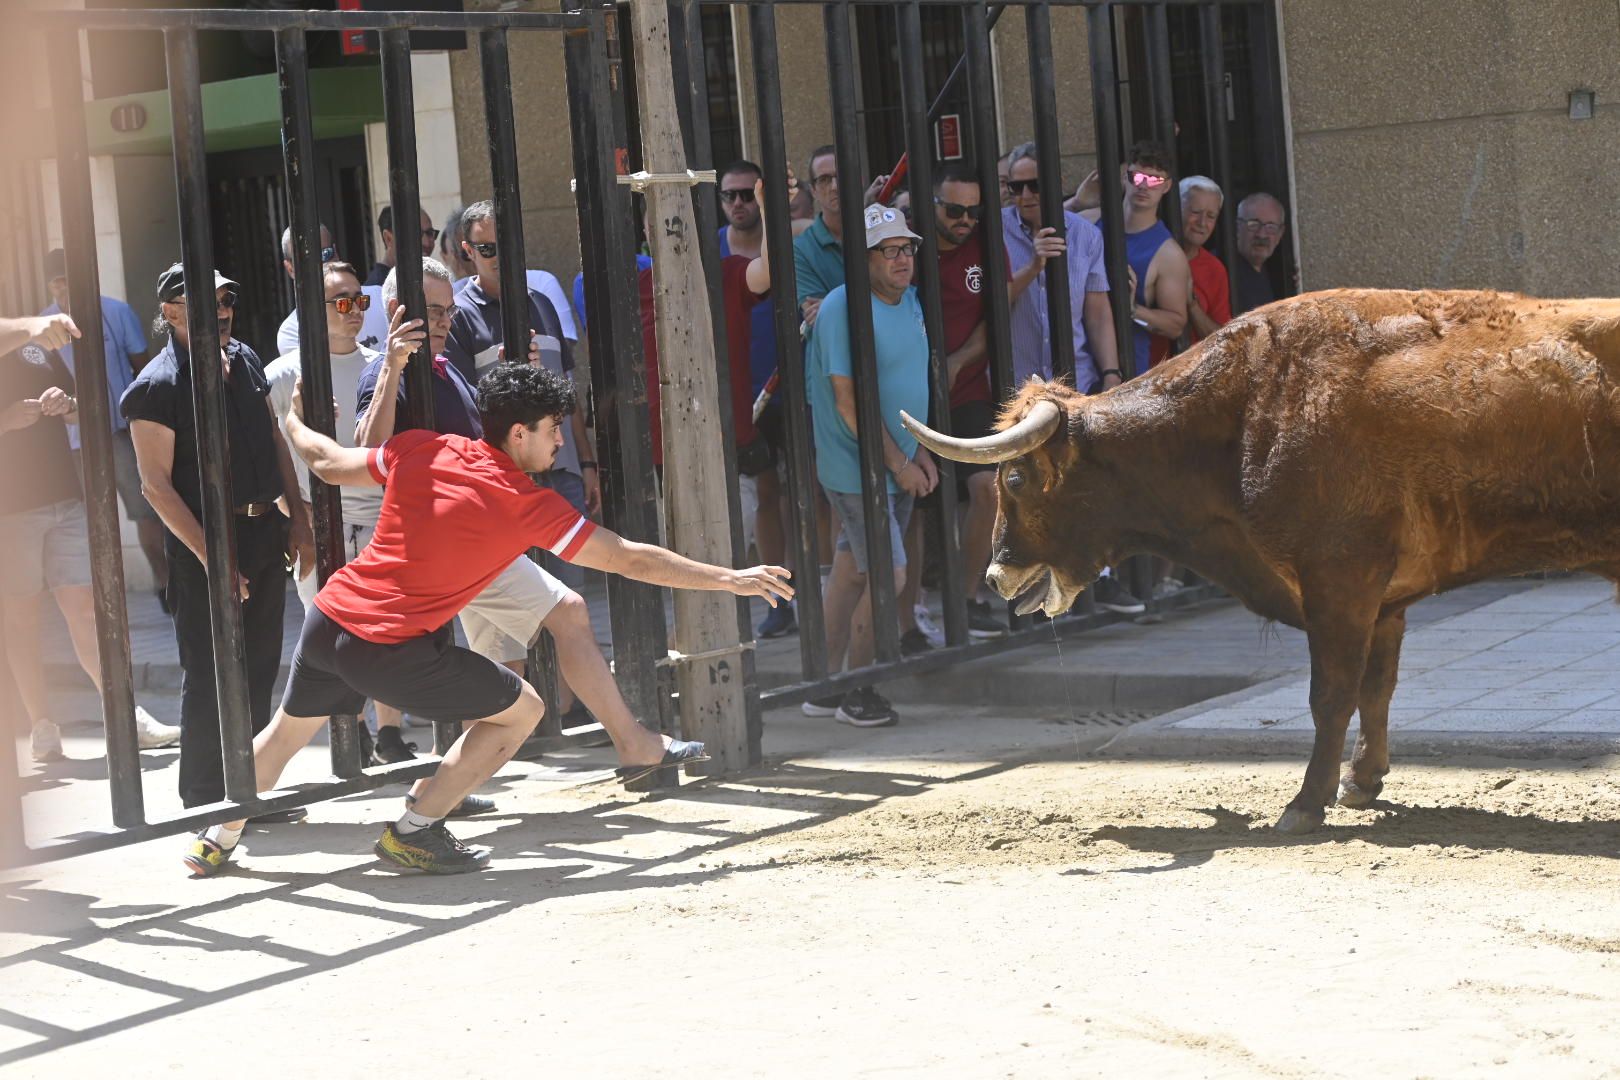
<point>456,512</point>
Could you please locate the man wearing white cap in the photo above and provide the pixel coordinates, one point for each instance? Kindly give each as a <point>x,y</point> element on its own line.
<point>902,376</point>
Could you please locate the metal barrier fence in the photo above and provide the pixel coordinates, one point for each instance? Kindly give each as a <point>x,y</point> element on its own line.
<point>598,124</point>
<point>602,220</point>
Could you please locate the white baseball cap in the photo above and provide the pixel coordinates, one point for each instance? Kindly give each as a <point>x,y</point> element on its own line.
<point>884,223</point>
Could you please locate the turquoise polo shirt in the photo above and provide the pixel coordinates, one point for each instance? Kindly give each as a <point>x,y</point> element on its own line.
<point>818,261</point>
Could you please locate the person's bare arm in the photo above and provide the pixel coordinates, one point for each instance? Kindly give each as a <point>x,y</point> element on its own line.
<point>1169,281</point>
<point>1048,245</point>
<point>1098,315</point>
<point>375,426</point>
<point>301,534</point>
<point>335,464</point>
<point>154,458</point>
<point>1088,196</point>
<point>970,352</point>
<point>759,270</point>
<point>46,331</point>
<point>607,551</point>
<point>911,476</point>
<point>1198,318</point>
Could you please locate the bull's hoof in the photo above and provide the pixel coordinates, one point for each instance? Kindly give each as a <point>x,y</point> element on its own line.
<point>1297,822</point>
<point>1355,796</point>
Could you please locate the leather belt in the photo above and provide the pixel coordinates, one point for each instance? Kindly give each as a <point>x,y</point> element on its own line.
<point>254,510</point>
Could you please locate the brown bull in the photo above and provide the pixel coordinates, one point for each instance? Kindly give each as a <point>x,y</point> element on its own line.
<point>1328,460</point>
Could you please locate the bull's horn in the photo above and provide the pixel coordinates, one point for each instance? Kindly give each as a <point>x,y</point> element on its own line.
<point>1016,441</point>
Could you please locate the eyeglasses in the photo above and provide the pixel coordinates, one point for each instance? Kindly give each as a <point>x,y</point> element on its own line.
<point>347,304</point>
<point>430,234</point>
<point>1018,187</point>
<point>892,252</point>
<point>438,312</point>
<point>956,211</point>
<point>486,250</point>
<point>731,195</point>
<point>823,181</point>
<point>1264,228</point>
<point>1148,180</point>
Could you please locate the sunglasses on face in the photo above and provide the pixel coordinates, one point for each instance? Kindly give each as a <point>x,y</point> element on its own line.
<point>1148,180</point>
<point>956,211</point>
<point>742,195</point>
<point>486,250</point>
<point>347,304</point>
<point>222,302</point>
<point>892,252</point>
<point>1018,187</point>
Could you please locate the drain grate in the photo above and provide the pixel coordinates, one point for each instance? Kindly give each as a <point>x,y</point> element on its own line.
<point>1101,718</point>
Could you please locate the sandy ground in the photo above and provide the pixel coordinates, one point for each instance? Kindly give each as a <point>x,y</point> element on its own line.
<point>967,895</point>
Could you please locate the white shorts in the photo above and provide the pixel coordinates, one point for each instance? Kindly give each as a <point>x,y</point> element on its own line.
<point>355,539</point>
<point>504,620</point>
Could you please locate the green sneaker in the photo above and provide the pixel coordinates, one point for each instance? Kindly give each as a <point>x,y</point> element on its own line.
<point>206,858</point>
<point>432,850</point>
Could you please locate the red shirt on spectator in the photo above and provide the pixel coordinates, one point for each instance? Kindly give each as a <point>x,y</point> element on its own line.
<point>471,511</point>
<point>739,301</point>
<point>962,281</point>
<point>1211,288</point>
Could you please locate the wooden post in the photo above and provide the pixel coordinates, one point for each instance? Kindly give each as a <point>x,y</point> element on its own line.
<point>713,706</point>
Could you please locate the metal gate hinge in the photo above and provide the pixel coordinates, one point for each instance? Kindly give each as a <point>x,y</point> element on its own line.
<point>676,658</point>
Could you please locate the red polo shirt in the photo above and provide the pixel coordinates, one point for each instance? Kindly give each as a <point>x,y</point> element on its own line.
<point>455,513</point>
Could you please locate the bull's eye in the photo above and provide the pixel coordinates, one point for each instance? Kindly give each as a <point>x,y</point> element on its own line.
<point>1015,479</point>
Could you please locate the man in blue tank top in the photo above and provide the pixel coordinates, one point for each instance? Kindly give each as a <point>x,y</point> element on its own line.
<point>1162,278</point>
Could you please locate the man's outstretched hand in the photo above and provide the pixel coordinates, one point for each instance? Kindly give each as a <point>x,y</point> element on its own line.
<point>771,582</point>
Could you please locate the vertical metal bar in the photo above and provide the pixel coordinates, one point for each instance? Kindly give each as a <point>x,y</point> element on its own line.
<point>1162,97</point>
<point>404,196</point>
<point>1049,159</point>
<point>1211,51</point>
<point>920,156</point>
<point>298,153</point>
<point>801,482</point>
<point>96,430</point>
<point>1271,149</point>
<point>618,371</point>
<point>1105,108</point>
<point>208,399</point>
<point>986,149</point>
<point>862,340</point>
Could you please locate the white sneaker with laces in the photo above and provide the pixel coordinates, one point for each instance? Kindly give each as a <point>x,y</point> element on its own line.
<point>46,741</point>
<point>925,622</point>
<point>152,733</point>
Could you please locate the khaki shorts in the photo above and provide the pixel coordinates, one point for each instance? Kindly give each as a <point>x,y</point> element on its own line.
<point>45,548</point>
<point>504,620</point>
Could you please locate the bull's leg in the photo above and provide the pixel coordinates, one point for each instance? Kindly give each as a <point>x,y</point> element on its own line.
<point>1339,615</point>
<point>1364,779</point>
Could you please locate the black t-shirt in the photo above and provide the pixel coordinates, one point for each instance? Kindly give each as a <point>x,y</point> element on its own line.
<point>1251,288</point>
<point>36,464</point>
<point>379,274</point>
<point>161,393</point>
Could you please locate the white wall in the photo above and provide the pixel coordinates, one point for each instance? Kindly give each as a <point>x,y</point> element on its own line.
<point>438,162</point>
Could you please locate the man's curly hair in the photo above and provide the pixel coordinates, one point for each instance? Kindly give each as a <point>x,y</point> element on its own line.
<point>521,394</point>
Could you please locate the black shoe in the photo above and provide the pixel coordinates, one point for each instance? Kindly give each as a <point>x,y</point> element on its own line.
<point>865,707</point>
<point>470,806</point>
<point>576,717</point>
<point>391,747</point>
<point>914,643</point>
<point>280,817</point>
<point>432,849</point>
<point>1113,596</point>
<point>822,706</point>
<point>982,624</point>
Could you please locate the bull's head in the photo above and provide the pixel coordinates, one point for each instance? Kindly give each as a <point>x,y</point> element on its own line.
<point>1044,515</point>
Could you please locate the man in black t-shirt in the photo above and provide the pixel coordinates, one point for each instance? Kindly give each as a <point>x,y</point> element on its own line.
<point>158,405</point>
<point>45,538</point>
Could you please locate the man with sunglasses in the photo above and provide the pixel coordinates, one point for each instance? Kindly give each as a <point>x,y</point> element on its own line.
<point>346,308</point>
<point>1261,221</point>
<point>373,332</point>
<point>385,228</point>
<point>902,376</point>
<point>158,406</point>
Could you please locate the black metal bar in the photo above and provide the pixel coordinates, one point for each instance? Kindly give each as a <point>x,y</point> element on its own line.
<point>950,656</point>
<point>1105,108</point>
<point>96,431</point>
<point>801,481</point>
<point>920,154</point>
<point>1211,51</point>
<point>863,343</point>
<point>298,156</point>
<point>618,370</point>
<point>987,149</point>
<point>208,399</point>
<point>1162,95</point>
<point>503,169</point>
<point>1049,162</point>
<point>216,19</point>
<point>1271,144</point>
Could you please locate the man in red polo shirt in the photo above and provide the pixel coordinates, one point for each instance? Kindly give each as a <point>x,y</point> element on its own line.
<point>456,512</point>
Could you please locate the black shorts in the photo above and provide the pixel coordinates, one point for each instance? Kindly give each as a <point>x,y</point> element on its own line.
<point>334,672</point>
<point>970,420</point>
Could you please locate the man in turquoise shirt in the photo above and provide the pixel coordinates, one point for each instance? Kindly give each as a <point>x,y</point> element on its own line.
<point>818,252</point>
<point>902,371</point>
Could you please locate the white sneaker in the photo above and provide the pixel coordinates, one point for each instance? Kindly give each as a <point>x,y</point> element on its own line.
<point>1168,587</point>
<point>152,733</point>
<point>925,622</point>
<point>46,741</point>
